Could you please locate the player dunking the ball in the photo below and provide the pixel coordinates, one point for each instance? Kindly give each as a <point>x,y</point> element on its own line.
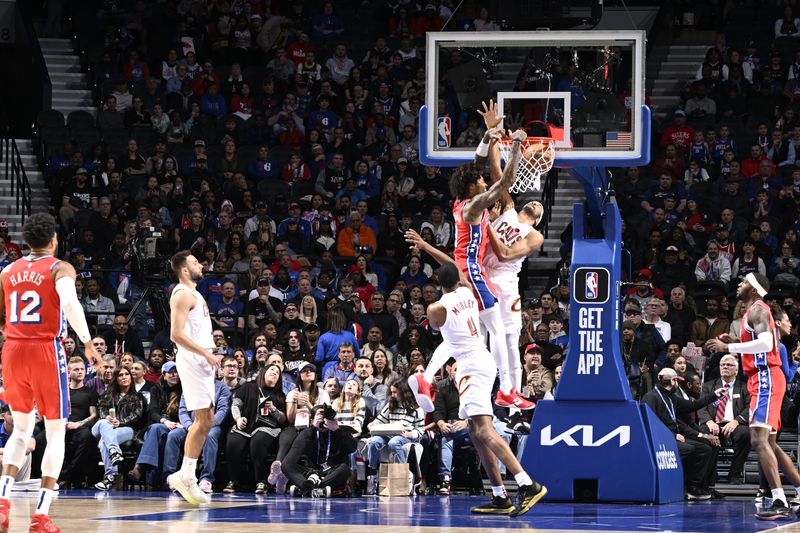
<point>761,361</point>
<point>456,315</point>
<point>471,215</point>
<point>191,331</point>
<point>38,294</point>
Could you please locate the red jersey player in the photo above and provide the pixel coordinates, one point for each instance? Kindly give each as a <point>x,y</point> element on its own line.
<point>471,215</point>
<point>761,361</point>
<point>38,294</point>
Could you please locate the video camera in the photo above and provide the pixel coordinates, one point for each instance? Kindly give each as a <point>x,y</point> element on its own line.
<point>147,260</point>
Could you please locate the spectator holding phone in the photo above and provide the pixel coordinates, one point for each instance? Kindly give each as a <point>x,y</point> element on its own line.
<point>318,463</point>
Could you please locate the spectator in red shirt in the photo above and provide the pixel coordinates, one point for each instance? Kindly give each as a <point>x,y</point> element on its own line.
<point>672,162</point>
<point>429,20</point>
<point>679,134</point>
<point>296,52</point>
<point>752,165</point>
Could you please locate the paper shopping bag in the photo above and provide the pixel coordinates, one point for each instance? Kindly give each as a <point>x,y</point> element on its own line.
<point>394,480</point>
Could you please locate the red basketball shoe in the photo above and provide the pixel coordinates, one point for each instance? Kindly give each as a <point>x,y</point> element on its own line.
<point>41,523</point>
<point>422,391</point>
<point>513,399</point>
<point>5,511</point>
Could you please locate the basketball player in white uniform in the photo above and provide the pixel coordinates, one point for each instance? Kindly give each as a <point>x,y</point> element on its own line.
<point>197,364</point>
<point>456,316</point>
<point>513,238</point>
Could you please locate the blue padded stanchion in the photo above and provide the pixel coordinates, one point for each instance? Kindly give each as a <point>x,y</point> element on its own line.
<point>594,431</point>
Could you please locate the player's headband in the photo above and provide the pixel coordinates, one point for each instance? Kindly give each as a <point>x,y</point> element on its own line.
<point>751,279</point>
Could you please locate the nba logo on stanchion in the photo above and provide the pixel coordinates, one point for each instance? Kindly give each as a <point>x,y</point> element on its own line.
<point>443,132</point>
<point>591,285</point>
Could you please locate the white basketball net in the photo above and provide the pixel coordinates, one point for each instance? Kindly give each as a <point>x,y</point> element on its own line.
<point>532,163</point>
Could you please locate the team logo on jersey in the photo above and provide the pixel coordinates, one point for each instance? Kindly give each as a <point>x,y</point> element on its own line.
<point>592,285</point>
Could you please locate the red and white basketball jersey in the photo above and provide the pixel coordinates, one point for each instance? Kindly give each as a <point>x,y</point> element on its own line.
<point>753,362</point>
<point>460,328</point>
<point>33,308</point>
<point>510,230</point>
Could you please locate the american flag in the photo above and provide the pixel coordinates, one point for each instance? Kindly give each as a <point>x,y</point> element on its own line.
<point>618,139</point>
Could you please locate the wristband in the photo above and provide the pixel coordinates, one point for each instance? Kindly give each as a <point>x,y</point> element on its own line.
<point>483,149</point>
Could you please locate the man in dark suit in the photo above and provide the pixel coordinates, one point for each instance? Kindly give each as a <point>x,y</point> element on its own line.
<point>728,417</point>
<point>694,450</point>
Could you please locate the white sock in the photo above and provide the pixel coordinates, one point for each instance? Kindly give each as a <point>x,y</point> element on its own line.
<point>45,496</point>
<point>440,356</point>
<point>6,484</point>
<point>188,468</point>
<point>499,491</point>
<point>777,494</point>
<point>523,479</point>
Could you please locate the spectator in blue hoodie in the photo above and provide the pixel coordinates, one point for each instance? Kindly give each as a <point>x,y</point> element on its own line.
<point>212,103</point>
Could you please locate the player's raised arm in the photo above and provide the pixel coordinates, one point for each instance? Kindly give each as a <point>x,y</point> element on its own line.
<point>64,276</point>
<point>492,121</point>
<point>181,303</point>
<point>474,208</point>
<point>416,241</point>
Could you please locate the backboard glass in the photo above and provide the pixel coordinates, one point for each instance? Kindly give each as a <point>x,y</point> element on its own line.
<point>591,83</point>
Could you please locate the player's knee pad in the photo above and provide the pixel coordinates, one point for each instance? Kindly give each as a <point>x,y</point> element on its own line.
<point>53,457</point>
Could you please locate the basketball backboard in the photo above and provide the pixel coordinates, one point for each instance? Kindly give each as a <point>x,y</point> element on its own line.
<point>590,83</point>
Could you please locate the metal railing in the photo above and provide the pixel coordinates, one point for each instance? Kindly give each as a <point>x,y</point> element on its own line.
<point>14,172</point>
<point>548,199</point>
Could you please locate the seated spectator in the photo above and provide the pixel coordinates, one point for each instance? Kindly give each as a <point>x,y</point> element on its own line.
<point>154,364</point>
<point>679,133</point>
<point>259,413</point>
<point>324,472</point>
<point>654,310</point>
<point>123,339</point>
<point>212,103</point>
<point>710,324</point>
<point>350,407</point>
<point>121,412</point>
<point>98,305</point>
<point>536,379</point>
<point>344,368</point>
<point>786,266</point>
<point>228,312</point>
<point>162,418</point>
<point>402,408</point>
<point>452,428</point>
<point>382,367</point>
<point>100,383</point>
<point>374,393</point>
<point>713,266</point>
<point>728,418</point>
<point>82,415</point>
<point>694,454</point>
<point>355,236</point>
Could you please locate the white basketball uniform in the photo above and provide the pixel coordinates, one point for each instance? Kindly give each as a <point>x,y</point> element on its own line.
<point>505,278</point>
<point>475,374</point>
<point>197,376</point>
<point>505,274</point>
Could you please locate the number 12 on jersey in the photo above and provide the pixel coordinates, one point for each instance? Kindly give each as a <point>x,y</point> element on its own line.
<point>31,302</point>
